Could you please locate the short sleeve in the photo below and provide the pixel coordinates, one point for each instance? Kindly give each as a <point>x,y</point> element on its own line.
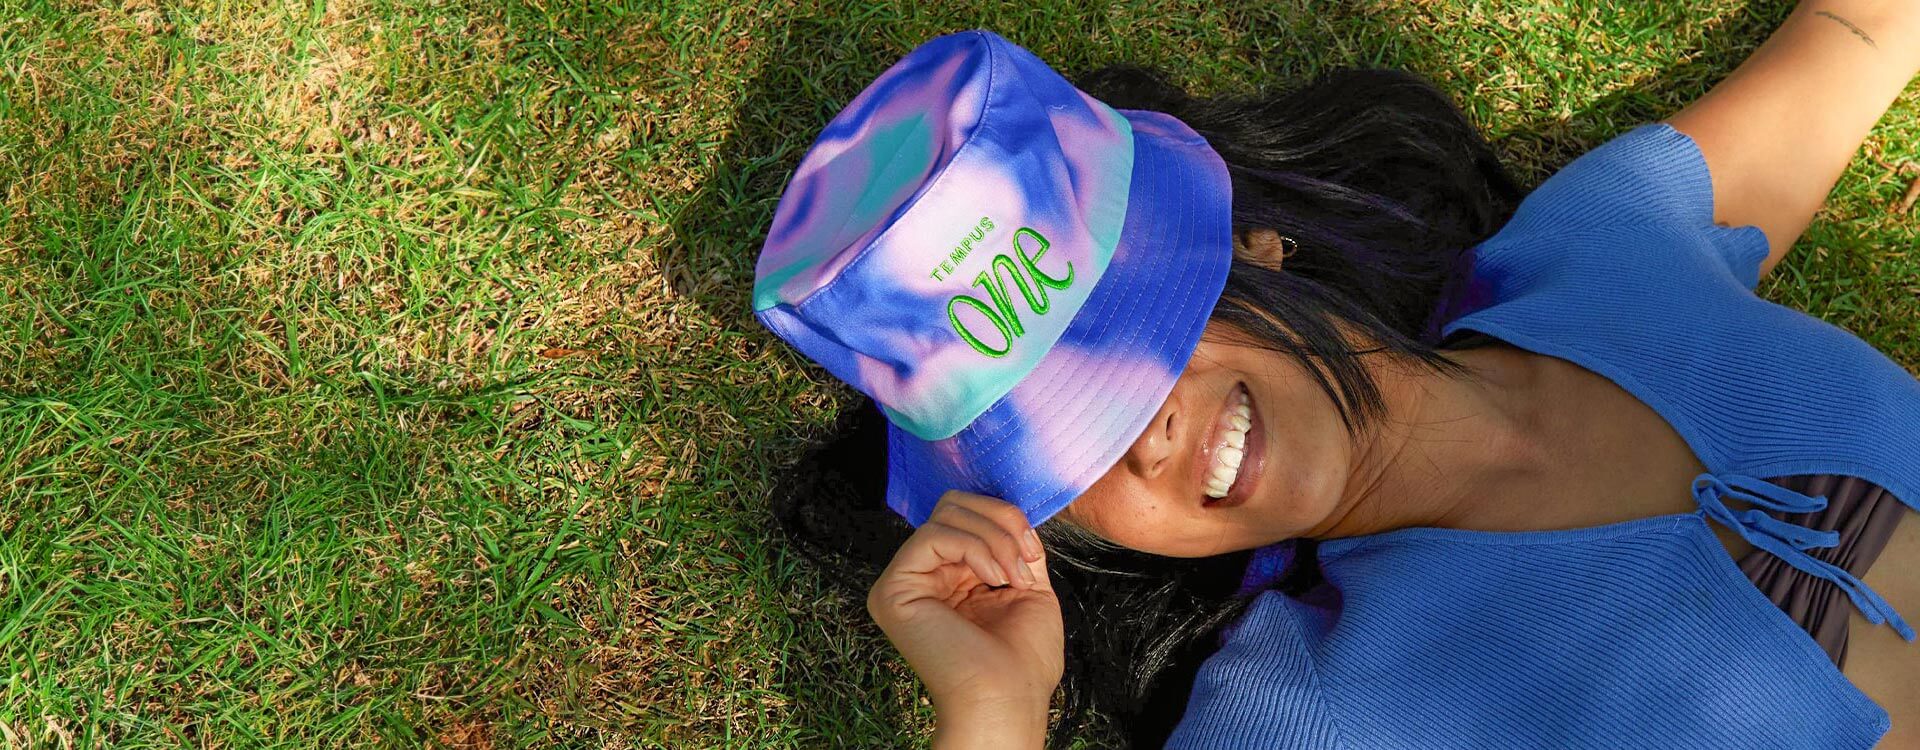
<point>1649,182</point>
<point>1261,688</point>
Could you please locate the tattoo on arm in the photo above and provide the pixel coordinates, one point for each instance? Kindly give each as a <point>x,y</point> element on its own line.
<point>1850,27</point>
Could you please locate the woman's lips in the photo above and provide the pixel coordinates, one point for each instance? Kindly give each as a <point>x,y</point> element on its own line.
<point>1238,422</point>
<point>1251,465</point>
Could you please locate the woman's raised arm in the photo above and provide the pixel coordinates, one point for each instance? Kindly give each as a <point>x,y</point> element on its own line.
<point>1777,133</point>
<point>968,602</point>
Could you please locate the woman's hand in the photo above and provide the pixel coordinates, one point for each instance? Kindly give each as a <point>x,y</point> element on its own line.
<point>967,601</point>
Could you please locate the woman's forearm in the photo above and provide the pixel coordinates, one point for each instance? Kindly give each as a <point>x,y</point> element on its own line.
<point>1890,25</point>
<point>1777,133</point>
<point>991,725</point>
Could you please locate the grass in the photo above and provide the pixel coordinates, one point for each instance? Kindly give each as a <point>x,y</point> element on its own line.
<point>379,372</point>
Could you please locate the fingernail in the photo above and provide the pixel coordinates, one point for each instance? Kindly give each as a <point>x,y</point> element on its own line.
<point>1026,573</point>
<point>1004,580</point>
<point>1032,543</point>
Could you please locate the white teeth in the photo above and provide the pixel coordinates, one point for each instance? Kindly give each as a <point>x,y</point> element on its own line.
<point>1228,456</point>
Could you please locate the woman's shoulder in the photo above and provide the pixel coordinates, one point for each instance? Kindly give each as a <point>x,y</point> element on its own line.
<point>1642,200</point>
<point>1650,298</point>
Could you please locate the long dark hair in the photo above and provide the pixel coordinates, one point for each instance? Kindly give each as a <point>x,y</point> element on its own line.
<point>1381,186</point>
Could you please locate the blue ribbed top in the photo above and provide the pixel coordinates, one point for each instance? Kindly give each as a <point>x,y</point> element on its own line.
<point>1636,634</point>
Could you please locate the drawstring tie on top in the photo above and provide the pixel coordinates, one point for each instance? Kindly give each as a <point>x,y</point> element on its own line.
<point>1788,541</point>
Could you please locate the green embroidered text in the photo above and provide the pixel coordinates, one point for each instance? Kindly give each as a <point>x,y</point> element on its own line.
<point>1023,269</point>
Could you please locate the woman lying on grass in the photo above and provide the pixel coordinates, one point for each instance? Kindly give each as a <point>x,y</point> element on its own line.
<point>1329,439</point>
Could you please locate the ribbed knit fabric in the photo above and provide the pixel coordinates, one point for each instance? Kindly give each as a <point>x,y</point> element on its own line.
<point>1637,634</point>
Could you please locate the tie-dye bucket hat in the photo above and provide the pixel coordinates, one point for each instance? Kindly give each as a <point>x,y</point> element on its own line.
<point>1014,271</point>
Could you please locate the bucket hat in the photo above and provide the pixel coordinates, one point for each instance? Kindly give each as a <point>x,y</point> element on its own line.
<point>1014,271</point>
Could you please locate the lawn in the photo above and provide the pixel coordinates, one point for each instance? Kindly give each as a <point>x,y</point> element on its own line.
<point>380,372</point>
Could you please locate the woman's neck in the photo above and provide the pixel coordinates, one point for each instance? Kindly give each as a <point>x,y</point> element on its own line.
<point>1458,450</point>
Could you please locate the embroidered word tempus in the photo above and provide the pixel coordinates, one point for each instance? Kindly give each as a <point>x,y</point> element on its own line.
<point>961,250</point>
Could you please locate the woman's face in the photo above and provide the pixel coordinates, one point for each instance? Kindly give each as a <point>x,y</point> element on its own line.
<point>1178,492</point>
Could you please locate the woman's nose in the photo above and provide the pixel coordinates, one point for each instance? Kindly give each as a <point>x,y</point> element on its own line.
<point>1153,451</point>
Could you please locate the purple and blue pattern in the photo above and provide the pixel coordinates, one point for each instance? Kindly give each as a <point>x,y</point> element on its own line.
<point>1016,272</point>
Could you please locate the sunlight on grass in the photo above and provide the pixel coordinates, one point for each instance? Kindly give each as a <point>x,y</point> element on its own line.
<point>380,372</point>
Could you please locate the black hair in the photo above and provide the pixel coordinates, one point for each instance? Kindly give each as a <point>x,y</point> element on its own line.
<point>1381,186</point>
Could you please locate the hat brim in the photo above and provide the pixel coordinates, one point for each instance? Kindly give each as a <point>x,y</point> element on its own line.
<point>1092,394</point>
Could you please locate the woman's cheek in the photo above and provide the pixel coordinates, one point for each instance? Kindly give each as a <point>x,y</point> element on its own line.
<point>1147,529</point>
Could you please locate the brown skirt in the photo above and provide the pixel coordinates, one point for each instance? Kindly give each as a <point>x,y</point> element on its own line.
<point>1865,514</point>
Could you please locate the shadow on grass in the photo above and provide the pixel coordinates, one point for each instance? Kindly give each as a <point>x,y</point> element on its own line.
<point>815,65</point>
<point>832,665</point>
<point>1540,147</point>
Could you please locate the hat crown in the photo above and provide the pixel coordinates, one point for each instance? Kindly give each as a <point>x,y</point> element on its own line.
<point>945,227</point>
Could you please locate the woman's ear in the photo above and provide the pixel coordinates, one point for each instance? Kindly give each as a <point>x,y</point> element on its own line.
<point>1263,246</point>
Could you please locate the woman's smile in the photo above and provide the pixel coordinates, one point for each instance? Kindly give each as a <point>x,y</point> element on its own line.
<point>1231,456</point>
<point>1207,477</point>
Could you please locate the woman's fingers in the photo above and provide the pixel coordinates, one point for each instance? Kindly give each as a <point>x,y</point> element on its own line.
<point>937,545</point>
<point>967,643</point>
<point>1042,581</point>
<point>1003,514</point>
<point>988,536</point>
<point>1013,521</point>
<point>1002,542</point>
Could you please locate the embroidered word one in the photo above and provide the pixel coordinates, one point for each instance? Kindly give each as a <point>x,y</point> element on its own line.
<point>1024,271</point>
